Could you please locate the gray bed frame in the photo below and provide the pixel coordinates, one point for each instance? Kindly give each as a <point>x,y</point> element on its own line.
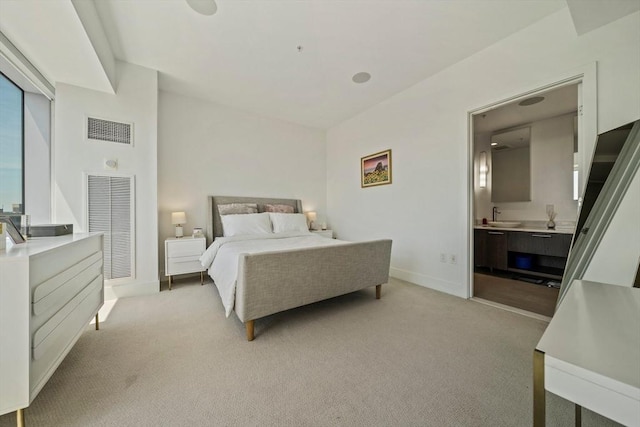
<point>271,282</point>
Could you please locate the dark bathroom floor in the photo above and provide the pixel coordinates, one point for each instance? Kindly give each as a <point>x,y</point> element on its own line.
<point>536,298</point>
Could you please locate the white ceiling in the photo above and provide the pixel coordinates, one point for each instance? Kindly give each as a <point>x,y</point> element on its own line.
<point>246,54</point>
<point>559,101</point>
<point>51,35</point>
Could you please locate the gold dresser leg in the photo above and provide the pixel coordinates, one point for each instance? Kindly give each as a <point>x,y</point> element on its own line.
<point>539,409</point>
<point>202,278</point>
<point>20,417</point>
<point>378,291</point>
<point>169,282</point>
<point>97,322</point>
<point>578,415</point>
<point>249,326</point>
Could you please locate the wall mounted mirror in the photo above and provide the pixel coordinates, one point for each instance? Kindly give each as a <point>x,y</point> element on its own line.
<point>511,166</point>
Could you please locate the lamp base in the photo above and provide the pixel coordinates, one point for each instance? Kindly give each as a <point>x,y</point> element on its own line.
<point>179,231</point>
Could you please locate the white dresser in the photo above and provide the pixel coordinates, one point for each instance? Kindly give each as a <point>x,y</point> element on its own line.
<point>590,353</point>
<point>50,288</point>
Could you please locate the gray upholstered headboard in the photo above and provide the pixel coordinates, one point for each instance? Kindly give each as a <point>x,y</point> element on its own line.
<point>214,224</point>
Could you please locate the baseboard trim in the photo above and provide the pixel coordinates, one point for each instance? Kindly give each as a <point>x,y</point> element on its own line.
<point>426,281</point>
<point>131,289</point>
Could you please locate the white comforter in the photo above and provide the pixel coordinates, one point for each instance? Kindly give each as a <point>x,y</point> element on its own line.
<point>221,258</point>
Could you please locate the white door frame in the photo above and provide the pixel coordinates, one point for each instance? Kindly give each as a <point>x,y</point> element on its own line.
<point>587,75</point>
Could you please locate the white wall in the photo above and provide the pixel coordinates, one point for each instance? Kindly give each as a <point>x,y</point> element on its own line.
<point>208,149</point>
<point>136,100</point>
<point>37,158</point>
<point>425,211</point>
<point>551,151</point>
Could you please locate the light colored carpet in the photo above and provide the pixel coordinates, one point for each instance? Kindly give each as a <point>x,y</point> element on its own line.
<point>416,357</point>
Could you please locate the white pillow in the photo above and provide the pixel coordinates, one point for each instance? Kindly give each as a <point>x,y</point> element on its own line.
<point>239,225</point>
<point>283,222</point>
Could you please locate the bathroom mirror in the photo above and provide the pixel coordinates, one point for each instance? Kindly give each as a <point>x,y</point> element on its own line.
<point>511,166</point>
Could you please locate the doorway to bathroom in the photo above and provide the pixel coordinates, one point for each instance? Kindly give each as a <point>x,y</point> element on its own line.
<point>526,157</point>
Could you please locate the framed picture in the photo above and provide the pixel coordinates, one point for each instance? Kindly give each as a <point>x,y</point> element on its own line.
<point>12,230</point>
<point>375,169</point>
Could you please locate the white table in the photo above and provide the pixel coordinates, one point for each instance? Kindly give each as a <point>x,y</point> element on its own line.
<point>590,353</point>
<point>181,256</point>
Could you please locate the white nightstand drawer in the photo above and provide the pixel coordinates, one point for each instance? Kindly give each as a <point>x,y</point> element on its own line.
<point>186,247</point>
<point>183,265</point>
<point>324,233</point>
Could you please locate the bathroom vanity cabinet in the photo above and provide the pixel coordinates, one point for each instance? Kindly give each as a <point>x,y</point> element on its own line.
<point>491,249</point>
<point>536,253</point>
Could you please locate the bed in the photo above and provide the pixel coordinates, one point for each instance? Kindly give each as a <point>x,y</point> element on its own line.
<point>267,279</point>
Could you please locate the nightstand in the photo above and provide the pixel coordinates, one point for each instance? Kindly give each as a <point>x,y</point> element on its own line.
<point>324,233</point>
<point>182,256</point>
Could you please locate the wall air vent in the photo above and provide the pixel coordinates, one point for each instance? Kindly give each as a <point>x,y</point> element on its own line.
<point>110,131</point>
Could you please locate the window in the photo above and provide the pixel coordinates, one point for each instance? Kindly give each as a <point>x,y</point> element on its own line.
<point>11,147</point>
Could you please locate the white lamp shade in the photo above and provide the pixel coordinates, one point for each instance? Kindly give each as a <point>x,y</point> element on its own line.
<point>312,216</point>
<point>178,218</point>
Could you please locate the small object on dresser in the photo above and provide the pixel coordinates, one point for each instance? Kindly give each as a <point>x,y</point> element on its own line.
<point>12,230</point>
<point>25,223</point>
<point>50,230</point>
<point>197,232</point>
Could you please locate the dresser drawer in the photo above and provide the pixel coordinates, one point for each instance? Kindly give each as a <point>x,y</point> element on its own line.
<point>184,265</point>
<point>184,248</point>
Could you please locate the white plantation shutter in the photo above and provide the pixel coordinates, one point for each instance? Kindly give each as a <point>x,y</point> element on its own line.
<point>110,209</point>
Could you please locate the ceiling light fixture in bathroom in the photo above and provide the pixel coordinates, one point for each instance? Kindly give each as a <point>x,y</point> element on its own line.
<point>204,7</point>
<point>361,77</point>
<point>531,101</point>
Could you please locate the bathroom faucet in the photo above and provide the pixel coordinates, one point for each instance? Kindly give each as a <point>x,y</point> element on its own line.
<point>495,213</point>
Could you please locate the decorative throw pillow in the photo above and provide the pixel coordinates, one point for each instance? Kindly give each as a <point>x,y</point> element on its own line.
<point>279,208</point>
<point>288,222</point>
<point>238,208</point>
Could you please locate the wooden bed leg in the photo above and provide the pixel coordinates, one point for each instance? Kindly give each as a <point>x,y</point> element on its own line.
<point>378,291</point>
<point>249,326</point>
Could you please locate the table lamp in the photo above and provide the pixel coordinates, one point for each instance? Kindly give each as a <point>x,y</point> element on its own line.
<point>312,217</point>
<point>177,219</point>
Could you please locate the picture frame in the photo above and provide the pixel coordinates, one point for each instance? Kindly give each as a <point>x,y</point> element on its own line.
<point>375,169</point>
<point>12,230</point>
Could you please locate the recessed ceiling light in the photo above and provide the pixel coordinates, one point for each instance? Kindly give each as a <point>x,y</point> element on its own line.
<point>361,77</point>
<point>531,101</point>
<point>204,7</point>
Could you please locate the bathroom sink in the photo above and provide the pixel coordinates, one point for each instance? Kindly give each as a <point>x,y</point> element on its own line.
<point>504,224</point>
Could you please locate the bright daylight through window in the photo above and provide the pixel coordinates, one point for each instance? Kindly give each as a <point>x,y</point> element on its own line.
<point>11,147</point>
